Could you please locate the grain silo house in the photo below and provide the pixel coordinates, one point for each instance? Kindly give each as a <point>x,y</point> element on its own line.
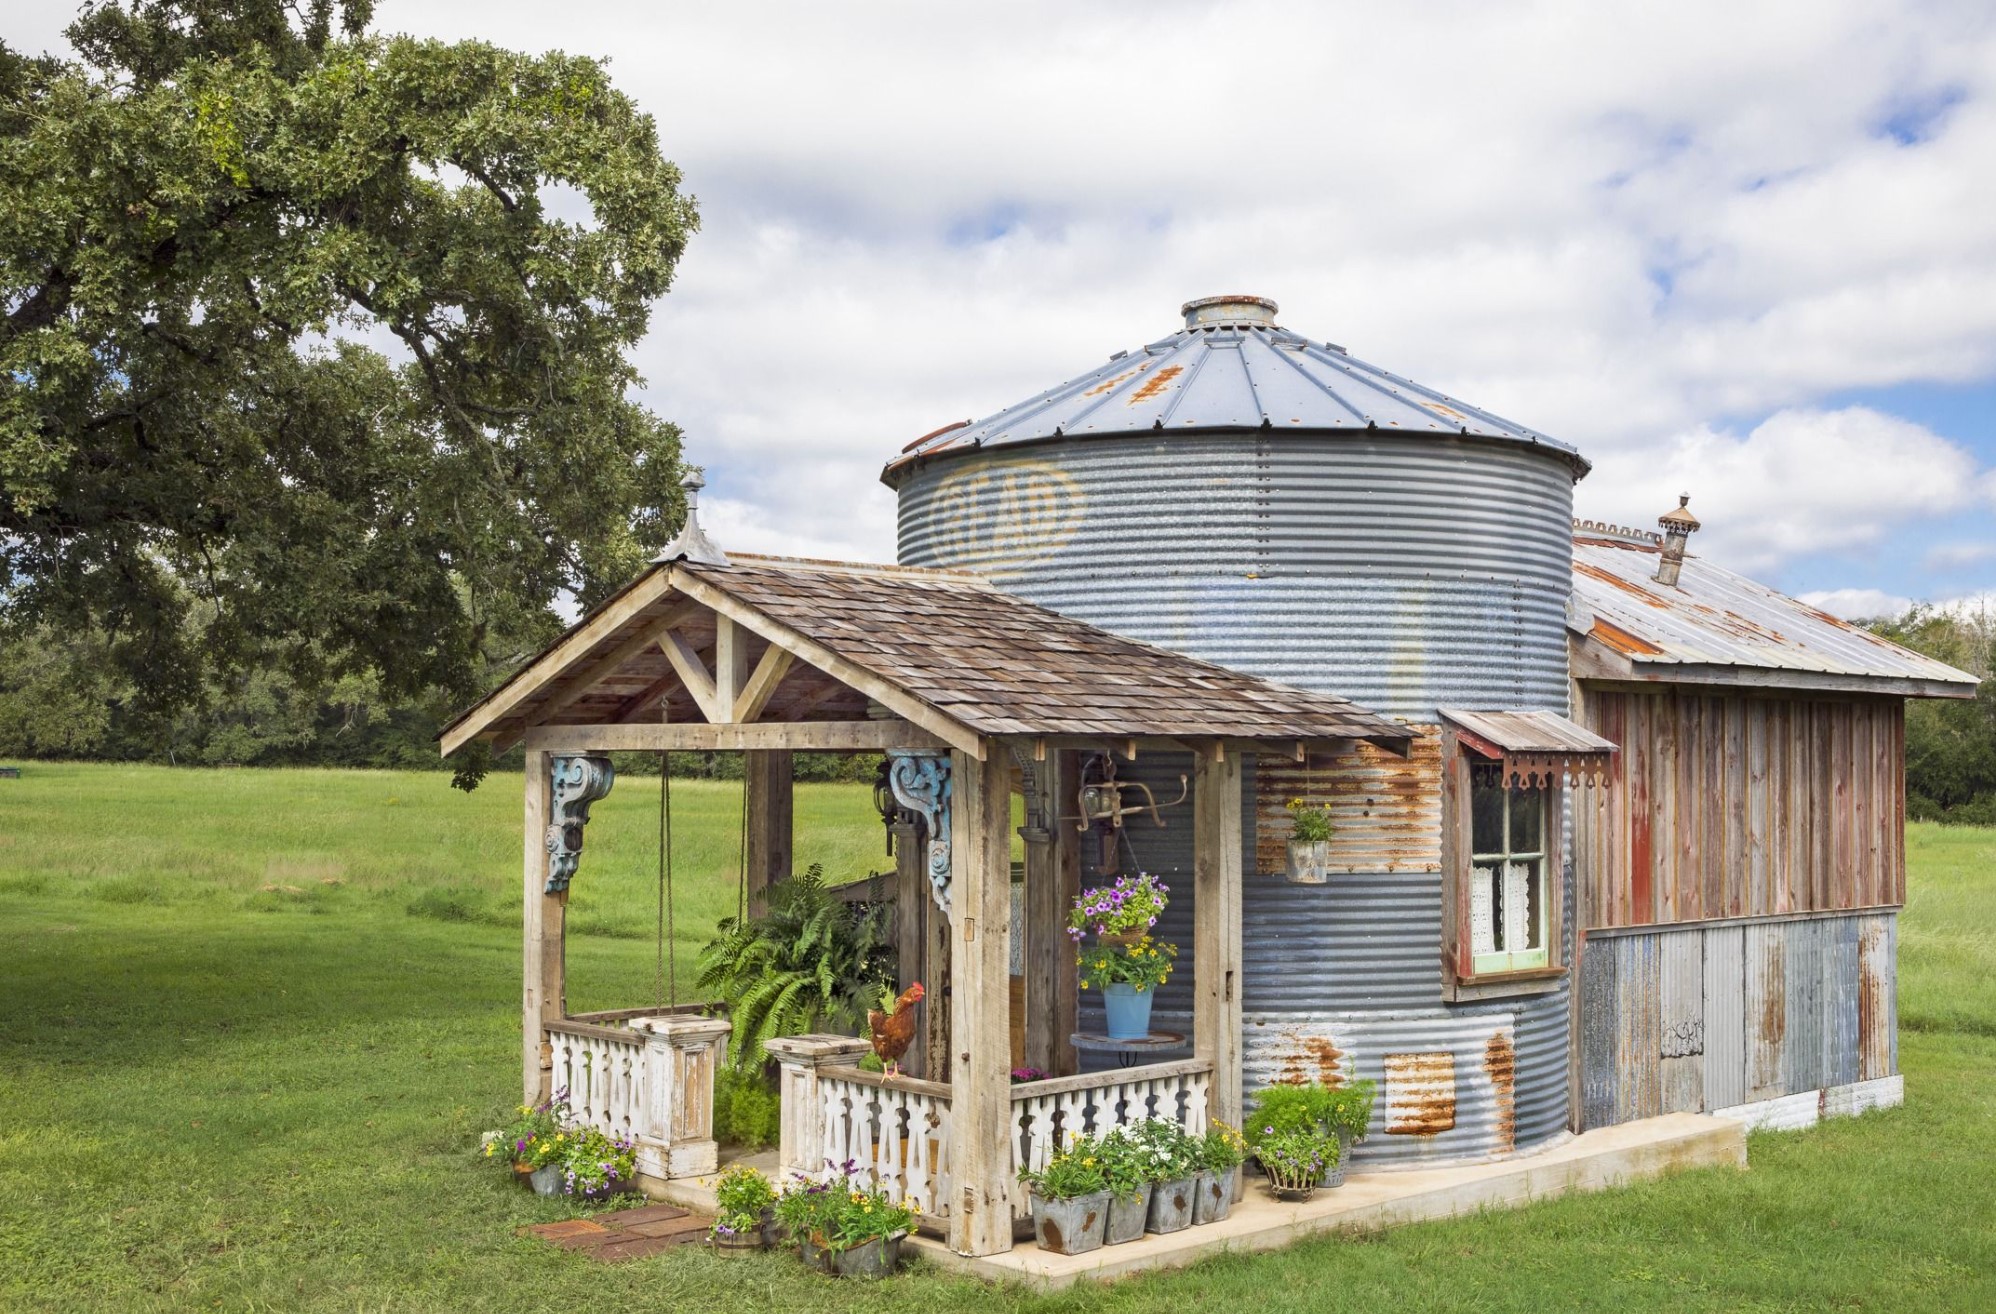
<point>1618,833</point>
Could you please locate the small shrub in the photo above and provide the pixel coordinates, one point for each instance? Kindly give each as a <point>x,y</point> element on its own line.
<point>747,1110</point>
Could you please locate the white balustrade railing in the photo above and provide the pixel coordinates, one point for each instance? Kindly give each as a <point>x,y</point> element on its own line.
<point>606,1074</point>
<point>1051,1113</point>
<point>895,1132</point>
<point>649,1080</point>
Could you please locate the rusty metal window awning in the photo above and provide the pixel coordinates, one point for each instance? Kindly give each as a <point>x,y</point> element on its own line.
<point>1533,749</point>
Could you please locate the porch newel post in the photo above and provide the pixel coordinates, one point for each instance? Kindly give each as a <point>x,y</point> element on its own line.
<point>1216,936</point>
<point>980,889</point>
<point>541,938</point>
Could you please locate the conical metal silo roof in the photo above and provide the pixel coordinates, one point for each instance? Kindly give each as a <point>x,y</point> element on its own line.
<point>1230,368</point>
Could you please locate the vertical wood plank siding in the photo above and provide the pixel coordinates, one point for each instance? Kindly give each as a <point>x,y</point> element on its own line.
<point>1696,1018</point>
<point>1734,806</point>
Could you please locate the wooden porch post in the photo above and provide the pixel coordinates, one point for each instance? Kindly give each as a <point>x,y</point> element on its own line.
<point>1046,939</point>
<point>980,1002</point>
<point>770,803</point>
<point>1216,936</point>
<point>543,920</point>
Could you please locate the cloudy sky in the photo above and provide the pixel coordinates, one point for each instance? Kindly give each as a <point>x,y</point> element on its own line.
<point>1743,250</point>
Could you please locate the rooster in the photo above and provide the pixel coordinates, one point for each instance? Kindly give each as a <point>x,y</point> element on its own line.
<point>893,1026</point>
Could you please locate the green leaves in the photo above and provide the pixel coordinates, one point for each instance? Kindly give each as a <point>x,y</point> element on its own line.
<point>295,332</point>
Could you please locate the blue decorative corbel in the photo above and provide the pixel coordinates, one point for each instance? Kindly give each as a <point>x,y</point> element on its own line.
<point>578,782</point>
<point>921,783</point>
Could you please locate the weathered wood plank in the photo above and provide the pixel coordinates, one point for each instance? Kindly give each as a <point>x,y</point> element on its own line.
<point>540,935</point>
<point>980,1003</point>
<point>767,776</point>
<point>1216,936</point>
<point>820,736</point>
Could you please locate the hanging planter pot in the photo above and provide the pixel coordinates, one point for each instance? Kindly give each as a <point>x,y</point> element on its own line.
<point>1309,862</point>
<point>1127,1010</point>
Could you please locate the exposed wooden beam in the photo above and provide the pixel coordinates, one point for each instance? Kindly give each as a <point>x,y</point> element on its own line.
<point>756,691</point>
<point>645,697</point>
<point>693,674</point>
<point>815,736</point>
<point>603,667</point>
<point>481,718</point>
<point>730,667</point>
<point>953,732</point>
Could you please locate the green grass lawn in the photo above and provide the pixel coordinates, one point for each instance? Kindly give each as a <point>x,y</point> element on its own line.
<point>218,1096</point>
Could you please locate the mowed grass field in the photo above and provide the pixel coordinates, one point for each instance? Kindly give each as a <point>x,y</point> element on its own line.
<point>252,1022</point>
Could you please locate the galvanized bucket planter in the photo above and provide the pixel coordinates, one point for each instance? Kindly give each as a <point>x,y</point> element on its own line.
<point>1071,1227</point>
<point>1214,1199</point>
<point>877,1258</point>
<point>1171,1204</point>
<point>1128,1215</point>
<point>1309,862</point>
<point>548,1180</point>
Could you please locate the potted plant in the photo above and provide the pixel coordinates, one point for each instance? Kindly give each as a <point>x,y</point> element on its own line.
<point>556,1159</point>
<point>1128,977</point>
<point>1221,1150</point>
<point>529,1143</point>
<point>807,1211</point>
<point>1296,1159</point>
<point>866,1230</point>
<point>1070,1199</point>
<point>1309,843</point>
<point>1120,913</point>
<point>744,1201</point>
<point>1348,1112</point>
<point>1172,1164</point>
<point>595,1166</point>
<point>1126,1170</point>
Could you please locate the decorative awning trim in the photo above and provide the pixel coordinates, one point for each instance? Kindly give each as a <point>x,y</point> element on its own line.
<point>1533,749</point>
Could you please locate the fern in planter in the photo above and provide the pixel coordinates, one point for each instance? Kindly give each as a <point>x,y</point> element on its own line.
<point>811,963</point>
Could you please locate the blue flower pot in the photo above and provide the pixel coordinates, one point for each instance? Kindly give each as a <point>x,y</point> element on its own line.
<point>1128,1010</point>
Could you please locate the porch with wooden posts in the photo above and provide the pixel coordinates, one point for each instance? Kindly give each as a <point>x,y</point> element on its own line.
<point>973,696</point>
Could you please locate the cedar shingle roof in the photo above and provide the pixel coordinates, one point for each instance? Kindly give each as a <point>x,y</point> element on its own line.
<point>992,663</point>
<point>1004,666</point>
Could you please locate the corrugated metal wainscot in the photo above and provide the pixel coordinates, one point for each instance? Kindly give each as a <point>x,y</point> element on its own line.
<point>1772,1020</point>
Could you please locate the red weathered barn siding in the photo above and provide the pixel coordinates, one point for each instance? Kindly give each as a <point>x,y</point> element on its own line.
<point>1739,806</point>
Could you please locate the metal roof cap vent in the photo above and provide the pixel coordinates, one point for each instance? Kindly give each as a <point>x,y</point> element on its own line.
<point>1678,525</point>
<point>692,543</point>
<point>1235,309</point>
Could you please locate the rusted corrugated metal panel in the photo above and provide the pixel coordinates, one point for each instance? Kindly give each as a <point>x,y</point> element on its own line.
<point>1530,732</point>
<point>1638,982</point>
<point>1765,954</point>
<point>1600,1036</point>
<point>1802,1042</point>
<point>1681,1001</point>
<point>1447,1084</point>
<point>1715,618</point>
<point>1877,1017</point>
<point>1725,1016</point>
<point>1240,373</point>
<point>1841,988</point>
<point>1386,808</point>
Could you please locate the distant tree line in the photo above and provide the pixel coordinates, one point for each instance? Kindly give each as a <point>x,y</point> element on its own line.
<point>1950,743</point>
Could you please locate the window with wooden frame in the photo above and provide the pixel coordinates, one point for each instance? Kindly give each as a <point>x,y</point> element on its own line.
<point>1501,863</point>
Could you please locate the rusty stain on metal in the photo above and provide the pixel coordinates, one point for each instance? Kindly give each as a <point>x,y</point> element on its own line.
<point>1420,1093</point>
<point>1386,809</point>
<point>1111,384</point>
<point>935,433</point>
<point>1500,1063</point>
<point>1622,641</point>
<point>1627,586</point>
<point>1308,1058</point>
<point>1156,384</point>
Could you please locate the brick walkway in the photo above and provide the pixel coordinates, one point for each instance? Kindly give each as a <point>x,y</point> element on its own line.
<point>626,1234</point>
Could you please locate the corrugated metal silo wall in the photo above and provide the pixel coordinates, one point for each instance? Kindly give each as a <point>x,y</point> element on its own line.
<point>1404,573</point>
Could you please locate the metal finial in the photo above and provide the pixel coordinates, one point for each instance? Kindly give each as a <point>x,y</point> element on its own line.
<point>692,543</point>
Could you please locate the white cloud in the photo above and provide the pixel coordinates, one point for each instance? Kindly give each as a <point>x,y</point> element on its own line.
<point>1614,223</point>
<point>1801,483</point>
<point>1857,604</point>
<point>1958,556</point>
